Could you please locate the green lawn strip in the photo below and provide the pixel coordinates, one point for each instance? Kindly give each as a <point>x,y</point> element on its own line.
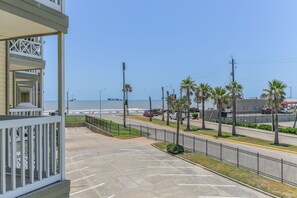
<point>244,176</point>
<point>211,132</point>
<point>246,139</point>
<point>119,130</point>
<point>70,119</point>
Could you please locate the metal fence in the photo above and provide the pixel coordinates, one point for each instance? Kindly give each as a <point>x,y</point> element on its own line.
<point>277,169</point>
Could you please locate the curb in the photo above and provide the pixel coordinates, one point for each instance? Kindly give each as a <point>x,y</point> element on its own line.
<point>217,173</point>
<point>249,144</point>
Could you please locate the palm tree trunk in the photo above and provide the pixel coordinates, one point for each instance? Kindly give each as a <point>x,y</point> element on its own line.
<point>188,116</point>
<point>234,115</point>
<point>295,121</point>
<point>276,138</point>
<point>220,122</point>
<point>127,103</point>
<point>203,113</point>
<point>272,118</point>
<point>177,127</point>
<point>168,107</point>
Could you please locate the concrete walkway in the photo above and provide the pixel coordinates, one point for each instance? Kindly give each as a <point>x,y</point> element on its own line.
<point>100,166</point>
<point>263,151</point>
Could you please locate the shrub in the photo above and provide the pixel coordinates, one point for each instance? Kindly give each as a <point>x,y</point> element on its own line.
<point>266,127</point>
<point>195,115</point>
<point>174,149</point>
<point>289,130</point>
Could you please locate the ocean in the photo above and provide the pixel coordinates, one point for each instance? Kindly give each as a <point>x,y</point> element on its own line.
<point>88,106</point>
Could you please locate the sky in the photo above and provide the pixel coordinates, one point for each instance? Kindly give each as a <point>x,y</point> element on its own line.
<point>164,41</point>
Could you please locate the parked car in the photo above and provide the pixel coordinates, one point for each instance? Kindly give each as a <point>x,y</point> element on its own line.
<point>286,111</point>
<point>147,113</point>
<point>173,116</point>
<point>266,111</point>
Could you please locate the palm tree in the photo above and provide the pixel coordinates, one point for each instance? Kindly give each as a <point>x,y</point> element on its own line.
<point>197,98</point>
<point>178,105</point>
<point>188,85</point>
<point>268,94</point>
<point>203,91</point>
<point>276,94</point>
<point>220,97</point>
<point>235,91</point>
<point>128,89</point>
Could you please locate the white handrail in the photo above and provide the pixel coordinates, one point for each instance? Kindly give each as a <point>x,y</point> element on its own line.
<point>54,4</point>
<point>26,112</point>
<point>30,47</point>
<point>29,151</point>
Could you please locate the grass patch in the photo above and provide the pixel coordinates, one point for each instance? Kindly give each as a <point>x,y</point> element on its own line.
<point>246,139</point>
<point>213,133</point>
<point>244,176</point>
<point>118,130</point>
<point>75,119</point>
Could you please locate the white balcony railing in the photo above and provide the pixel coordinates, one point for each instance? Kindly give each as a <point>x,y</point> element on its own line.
<point>29,154</point>
<point>30,47</point>
<point>54,4</point>
<point>26,112</point>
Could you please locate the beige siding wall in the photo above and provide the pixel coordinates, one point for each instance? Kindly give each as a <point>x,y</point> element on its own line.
<point>2,78</point>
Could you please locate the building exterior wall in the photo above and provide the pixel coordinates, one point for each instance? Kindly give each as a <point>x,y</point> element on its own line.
<point>2,78</point>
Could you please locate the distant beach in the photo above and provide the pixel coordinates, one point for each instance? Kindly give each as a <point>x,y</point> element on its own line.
<point>92,106</point>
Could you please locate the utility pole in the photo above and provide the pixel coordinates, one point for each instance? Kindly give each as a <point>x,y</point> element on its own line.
<point>162,103</point>
<point>150,100</point>
<point>68,102</point>
<point>233,98</point>
<point>168,107</point>
<point>124,97</point>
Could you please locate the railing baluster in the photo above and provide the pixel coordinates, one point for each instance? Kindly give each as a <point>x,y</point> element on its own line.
<point>13,159</point>
<point>47,157</point>
<point>31,154</point>
<point>40,152</point>
<point>23,175</point>
<point>54,165</point>
<point>2,161</point>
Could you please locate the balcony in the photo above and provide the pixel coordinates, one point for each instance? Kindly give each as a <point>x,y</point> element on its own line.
<point>26,112</point>
<point>31,154</point>
<point>30,47</point>
<point>54,4</point>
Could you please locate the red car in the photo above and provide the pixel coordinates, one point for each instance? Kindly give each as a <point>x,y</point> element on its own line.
<point>266,111</point>
<point>148,113</point>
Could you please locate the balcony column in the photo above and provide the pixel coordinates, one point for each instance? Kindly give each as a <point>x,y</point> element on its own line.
<point>61,101</point>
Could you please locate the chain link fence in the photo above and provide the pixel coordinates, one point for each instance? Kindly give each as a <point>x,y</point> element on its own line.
<point>277,169</point>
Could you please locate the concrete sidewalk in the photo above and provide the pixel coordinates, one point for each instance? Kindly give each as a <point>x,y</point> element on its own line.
<point>105,167</point>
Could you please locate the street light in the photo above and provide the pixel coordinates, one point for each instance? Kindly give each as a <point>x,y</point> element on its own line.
<point>100,91</point>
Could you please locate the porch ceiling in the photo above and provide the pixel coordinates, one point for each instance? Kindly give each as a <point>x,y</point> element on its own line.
<point>13,26</point>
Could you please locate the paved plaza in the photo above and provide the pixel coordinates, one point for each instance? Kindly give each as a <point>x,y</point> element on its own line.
<point>100,166</point>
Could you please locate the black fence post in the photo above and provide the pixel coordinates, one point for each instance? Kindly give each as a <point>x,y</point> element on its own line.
<point>140,132</point>
<point>194,144</point>
<point>129,128</point>
<point>258,164</point>
<point>118,129</point>
<point>206,147</point>
<point>155,134</point>
<point>237,151</point>
<point>221,152</point>
<point>282,170</point>
<point>183,140</point>
<point>140,128</point>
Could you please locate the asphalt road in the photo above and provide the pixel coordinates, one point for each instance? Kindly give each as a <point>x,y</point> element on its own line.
<point>100,166</point>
